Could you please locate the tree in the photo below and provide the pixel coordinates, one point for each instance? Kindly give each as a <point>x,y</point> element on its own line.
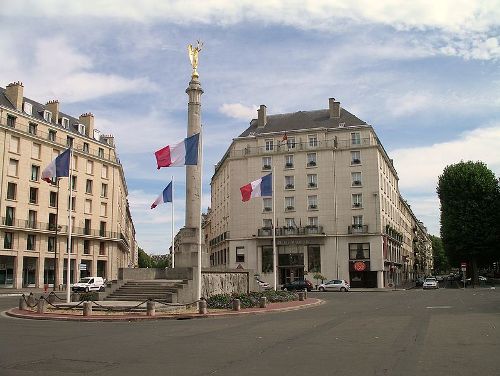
<point>161,261</point>
<point>470,201</point>
<point>440,259</point>
<point>144,260</point>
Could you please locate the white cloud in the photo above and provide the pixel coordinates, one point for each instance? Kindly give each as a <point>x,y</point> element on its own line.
<point>239,111</point>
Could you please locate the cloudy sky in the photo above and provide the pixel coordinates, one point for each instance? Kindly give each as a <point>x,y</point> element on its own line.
<point>425,74</point>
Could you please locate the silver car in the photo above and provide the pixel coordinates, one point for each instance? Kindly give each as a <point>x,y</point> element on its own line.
<point>430,283</point>
<point>335,285</point>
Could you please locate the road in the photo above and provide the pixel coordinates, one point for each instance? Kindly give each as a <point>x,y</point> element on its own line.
<point>415,332</point>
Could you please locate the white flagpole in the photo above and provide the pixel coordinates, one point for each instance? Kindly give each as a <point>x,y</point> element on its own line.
<point>201,211</point>
<point>275,256</point>
<point>173,252</point>
<point>68,268</point>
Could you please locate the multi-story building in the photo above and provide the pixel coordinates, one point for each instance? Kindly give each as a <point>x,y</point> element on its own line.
<point>338,207</point>
<point>34,214</point>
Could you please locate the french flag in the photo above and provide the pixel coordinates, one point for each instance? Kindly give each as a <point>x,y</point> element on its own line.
<point>179,154</point>
<point>166,196</point>
<point>262,187</point>
<point>59,167</point>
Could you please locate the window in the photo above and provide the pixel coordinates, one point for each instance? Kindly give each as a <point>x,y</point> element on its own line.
<point>71,248</point>
<point>268,204</point>
<point>267,223</point>
<point>289,203</point>
<point>267,259</point>
<point>65,122</point>
<point>357,221</point>
<point>51,244</point>
<point>11,191</point>
<point>52,135</point>
<point>81,128</point>
<point>90,167</point>
<point>85,147</point>
<point>28,108</point>
<point>356,178</point>
<point>104,209</point>
<point>88,207</point>
<point>35,151</point>
<point>355,157</point>
<point>289,161</point>
<point>88,186</point>
<point>269,145</point>
<point>289,182</point>
<point>14,144</point>
<point>73,182</point>
<point>290,142</point>
<point>313,141</point>
<point>266,163</point>
<point>30,243</point>
<point>47,115</point>
<point>102,248</point>
<point>240,254</point>
<point>69,141</point>
<point>7,240</point>
<point>100,153</point>
<point>312,180</point>
<point>11,121</point>
<point>75,163</point>
<point>314,258</point>
<point>355,138</point>
<point>357,200</point>
<point>359,251</point>
<point>72,203</point>
<point>52,199</point>
<point>312,221</point>
<point>88,226</point>
<point>290,222</point>
<point>311,159</point>
<point>32,128</point>
<point>35,171</point>
<point>13,167</point>
<point>312,202</point>
<point>33,195</point>
<point>52,221</point>
<point>31,218</point>
<point>9,215</point>
<point>104,190</point>
<point>102,228</point>
<point>86,247</point>
<point>104,172</point>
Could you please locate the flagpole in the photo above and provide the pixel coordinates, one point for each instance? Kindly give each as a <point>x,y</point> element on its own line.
<point>201,211</point>
<point>275,258</point>
<point>173,252</point>
<point>68,268</point>
<point>55,243</point>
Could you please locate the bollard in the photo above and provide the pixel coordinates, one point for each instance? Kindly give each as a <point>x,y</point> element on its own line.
<point>202,307</point>
<point>150,308</point>
<point>301,296</point>
<point>305,294</point>
<point>263,302</point>
<point>87,308</point>
<point>31,300</point>
<point>236,305</point>
<point>41,305</point>
<point>51,298</point>
<point>22,303</point>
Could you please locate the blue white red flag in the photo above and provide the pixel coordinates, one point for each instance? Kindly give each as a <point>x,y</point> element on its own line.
<point>165,196</point>
<point>262,187</point>
<point>182,153</point>
<point>58,168</point>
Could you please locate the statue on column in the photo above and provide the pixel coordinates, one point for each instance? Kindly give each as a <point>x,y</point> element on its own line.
<point>193,56</point>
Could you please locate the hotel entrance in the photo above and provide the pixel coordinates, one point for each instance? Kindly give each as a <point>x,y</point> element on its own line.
<point>290,263</point>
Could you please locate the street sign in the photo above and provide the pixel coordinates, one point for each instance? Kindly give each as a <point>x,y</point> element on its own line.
<point>463,266</point>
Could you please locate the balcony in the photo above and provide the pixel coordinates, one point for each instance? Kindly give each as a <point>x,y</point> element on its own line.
<point>356,205</point>
<point>355,161</point>
<point>356,182</point>
<point>311,164</point>
<point>291,231</point>
<point>266,167</point>
<point>313,207</point>
<point>289,208</point>
<point>357,229</point>
<point>288,165</point>
<point>312,185</point>
<point>268,209</point>
<point>289,186</point>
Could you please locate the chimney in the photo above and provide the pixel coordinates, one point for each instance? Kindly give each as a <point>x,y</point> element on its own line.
<point>87,119</point>
<point>262,119</point>
<point>53,107</point>
<point>334,108</point>
<point>14,93</point>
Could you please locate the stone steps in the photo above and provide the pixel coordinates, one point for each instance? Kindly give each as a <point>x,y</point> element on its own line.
<point>137,290</point>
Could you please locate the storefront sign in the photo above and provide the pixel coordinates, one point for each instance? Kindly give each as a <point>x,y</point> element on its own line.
<point>359,266</point>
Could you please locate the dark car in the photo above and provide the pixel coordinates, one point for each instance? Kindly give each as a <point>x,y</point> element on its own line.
<point>300,284</point>
<point>419,282</point>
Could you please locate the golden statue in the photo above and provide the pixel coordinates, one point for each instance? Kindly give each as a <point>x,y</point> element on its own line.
<point>193,56</point>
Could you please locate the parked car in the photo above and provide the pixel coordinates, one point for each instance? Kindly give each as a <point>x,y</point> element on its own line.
<point>430,283</point>
<point>335,285</point>
<point>299,284</point>
<point>419,282</point>
<point>263,285</point>
<point>89,284</point>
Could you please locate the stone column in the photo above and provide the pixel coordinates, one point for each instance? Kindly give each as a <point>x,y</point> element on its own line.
<point>40,270</point>
<point>18,271</point>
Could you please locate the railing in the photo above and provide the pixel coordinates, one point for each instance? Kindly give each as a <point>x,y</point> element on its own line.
<point>357,229</point>
<point>291,231</point>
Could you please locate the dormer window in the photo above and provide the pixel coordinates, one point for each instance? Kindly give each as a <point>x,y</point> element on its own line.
<point>28,108</point>
<point>47,116</point>
<point>65,122</point>
<point>81,128</point>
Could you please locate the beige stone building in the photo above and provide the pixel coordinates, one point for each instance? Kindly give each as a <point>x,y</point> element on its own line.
<point>339,211</point>
<point>34,223</point>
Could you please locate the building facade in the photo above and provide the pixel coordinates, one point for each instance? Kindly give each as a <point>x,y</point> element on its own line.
<point>338,208</point>
<point>34,223</point>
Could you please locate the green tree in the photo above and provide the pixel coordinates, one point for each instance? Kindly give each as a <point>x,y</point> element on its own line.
<point>470,203</point>
<point>161,261</point>
<point>144,260</point>
<point>440,259</point>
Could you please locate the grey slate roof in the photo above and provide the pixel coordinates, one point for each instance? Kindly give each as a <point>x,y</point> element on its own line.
<point>302,120</point>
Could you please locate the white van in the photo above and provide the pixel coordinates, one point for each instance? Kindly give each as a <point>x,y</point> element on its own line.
<point>89,284</point>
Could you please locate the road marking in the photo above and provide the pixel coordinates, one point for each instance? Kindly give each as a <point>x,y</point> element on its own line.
<point>440,307</point>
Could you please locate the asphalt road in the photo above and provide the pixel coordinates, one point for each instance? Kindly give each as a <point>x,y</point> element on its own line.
<point>443,332</point>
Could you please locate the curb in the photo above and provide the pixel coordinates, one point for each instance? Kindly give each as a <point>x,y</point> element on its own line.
<point>29,315</point>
